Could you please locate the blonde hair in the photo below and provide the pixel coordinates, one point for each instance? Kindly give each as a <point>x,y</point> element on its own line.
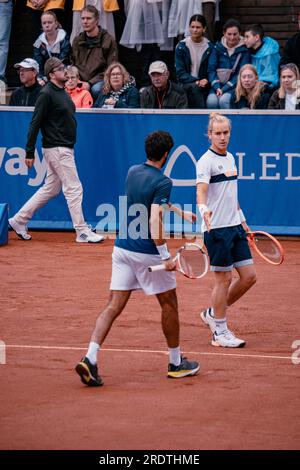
<point>107,86</point>
<point>295,70</point>
<point>51,13</point>
<point>252,95</point>
<point>217,118</point>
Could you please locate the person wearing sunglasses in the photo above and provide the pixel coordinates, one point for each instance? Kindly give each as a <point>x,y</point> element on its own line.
<point>54,115</point>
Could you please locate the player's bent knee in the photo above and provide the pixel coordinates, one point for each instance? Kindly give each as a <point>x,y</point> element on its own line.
<point>251,279</point>
<point>223,278</point>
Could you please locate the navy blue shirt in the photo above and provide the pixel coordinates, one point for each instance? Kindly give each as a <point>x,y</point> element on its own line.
<point>145,185</point>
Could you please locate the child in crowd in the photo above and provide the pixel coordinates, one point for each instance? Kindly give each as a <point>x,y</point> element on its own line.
<point>80,97</point>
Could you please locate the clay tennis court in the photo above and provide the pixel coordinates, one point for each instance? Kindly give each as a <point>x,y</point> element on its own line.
<point>51,292</point>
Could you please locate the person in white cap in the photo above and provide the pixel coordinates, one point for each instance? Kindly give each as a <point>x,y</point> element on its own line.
<point>26,95</point>
<point>54,114</point>
<point>162,94</point>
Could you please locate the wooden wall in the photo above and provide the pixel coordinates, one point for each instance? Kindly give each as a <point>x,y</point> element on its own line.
<point>278,17</point>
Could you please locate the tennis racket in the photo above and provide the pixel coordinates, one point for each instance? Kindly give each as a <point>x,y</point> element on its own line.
<point>191,261</point>
<point>268,248</point>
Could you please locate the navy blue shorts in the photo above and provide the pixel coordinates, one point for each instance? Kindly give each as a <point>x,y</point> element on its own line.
<point>227,248</point>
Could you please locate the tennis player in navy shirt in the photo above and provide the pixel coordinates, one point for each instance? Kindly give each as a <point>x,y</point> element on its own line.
<point>140,244</point>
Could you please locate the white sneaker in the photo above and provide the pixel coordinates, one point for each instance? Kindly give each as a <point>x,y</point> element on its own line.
<point>21,230</point>
<point>208,319</point>
<point>89,237</point>
<point>227,340</point>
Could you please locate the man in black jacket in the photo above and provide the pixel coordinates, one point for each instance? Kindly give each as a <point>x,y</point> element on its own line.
<point>26,95</point>
<point>54,114</point>
<point>162,94</point>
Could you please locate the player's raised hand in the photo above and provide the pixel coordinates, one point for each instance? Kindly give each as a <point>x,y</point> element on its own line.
<point>189,216</point>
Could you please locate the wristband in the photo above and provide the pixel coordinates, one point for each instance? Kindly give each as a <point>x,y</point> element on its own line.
<point>242,217</point>
<point>163,251</point>
<point>202,209</point>
<point>29,155</point>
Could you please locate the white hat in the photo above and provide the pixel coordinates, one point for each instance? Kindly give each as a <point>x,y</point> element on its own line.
<point>158,66</point>
<point>28,64</point>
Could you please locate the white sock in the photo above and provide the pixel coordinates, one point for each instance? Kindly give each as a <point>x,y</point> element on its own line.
<point>92,352</point>
<point>221,325</point>
<point>174,356</point>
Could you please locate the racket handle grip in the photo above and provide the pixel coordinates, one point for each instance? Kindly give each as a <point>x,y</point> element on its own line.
<point>157,267</point>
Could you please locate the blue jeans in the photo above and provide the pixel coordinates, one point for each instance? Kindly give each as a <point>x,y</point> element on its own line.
<point>216,102</point>
<point>96,89</point>
<point>6,10</point>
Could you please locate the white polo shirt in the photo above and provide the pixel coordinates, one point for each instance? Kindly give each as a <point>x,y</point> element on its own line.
<point>220,173</point>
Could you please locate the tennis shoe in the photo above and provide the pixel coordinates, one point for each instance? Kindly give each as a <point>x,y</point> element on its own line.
<point>21,230</point>
<point>89,237</point>
<point>88,373</point>
<point>186,368</point>
<point>208,319</point>
<point>227,340</point>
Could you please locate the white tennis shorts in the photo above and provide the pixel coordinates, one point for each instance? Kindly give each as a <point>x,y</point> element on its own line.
<point>130,272</point>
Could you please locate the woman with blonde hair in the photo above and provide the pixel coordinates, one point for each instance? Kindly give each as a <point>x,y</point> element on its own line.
<point>119,89</point>
<point>37,7</point>
<point>250,93</point>
<point>288,95</point>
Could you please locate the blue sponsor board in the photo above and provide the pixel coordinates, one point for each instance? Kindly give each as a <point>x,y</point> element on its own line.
<point>266,147</point>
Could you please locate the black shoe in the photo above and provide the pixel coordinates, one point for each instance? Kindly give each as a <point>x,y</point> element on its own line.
<point>185,369</point>
<point>88,373</point>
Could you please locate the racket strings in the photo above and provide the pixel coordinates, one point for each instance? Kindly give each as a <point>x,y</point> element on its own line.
<point>268,248</point>
<point>192,262</point>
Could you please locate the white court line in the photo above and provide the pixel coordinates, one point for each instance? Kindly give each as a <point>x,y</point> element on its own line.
<point>71,348</point>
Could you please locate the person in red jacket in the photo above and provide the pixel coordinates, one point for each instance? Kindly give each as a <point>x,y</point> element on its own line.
<point>80,97</point>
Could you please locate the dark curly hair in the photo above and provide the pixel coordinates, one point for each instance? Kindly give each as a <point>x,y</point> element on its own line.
<point>157,144</point>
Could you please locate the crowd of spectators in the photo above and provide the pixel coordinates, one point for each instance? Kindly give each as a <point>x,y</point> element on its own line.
<point>243,70</point>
